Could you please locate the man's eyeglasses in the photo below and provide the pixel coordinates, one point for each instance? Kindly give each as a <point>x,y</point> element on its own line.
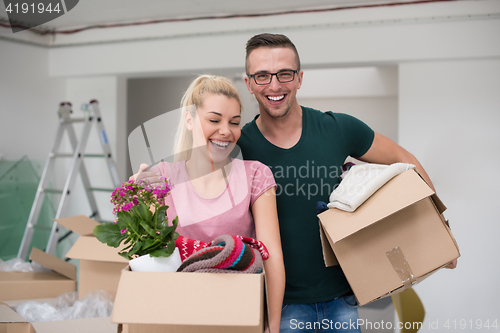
<point>265,78</point>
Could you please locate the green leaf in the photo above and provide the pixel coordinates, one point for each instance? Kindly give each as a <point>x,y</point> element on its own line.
<point>167,232</point>
<point>143,211</point>
<point>124,219</point>
<point>148,243</point>
<point>135,249</point>
<point>124,255</point>
<point>171,246</point>
<point>160,217</point>
<point>134,223</point>
<point>148,229</point>
<point>162,252</point>
<point>129,222</point>
<point>109,233</point>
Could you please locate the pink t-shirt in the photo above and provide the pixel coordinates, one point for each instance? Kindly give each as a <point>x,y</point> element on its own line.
<point>227,214</point>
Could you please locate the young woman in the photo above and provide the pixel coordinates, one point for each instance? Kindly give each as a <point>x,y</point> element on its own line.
<point>214,194</point>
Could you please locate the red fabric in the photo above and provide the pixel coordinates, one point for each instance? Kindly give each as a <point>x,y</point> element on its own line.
<point>258,245</point>
<point>188,246</point>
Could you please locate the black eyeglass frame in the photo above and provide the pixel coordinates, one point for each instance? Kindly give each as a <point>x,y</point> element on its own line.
<point>294,71</point>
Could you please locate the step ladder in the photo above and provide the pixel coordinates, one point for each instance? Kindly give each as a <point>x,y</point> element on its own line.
<point>92,116</point>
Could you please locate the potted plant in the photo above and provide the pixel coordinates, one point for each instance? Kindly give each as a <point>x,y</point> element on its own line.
<point>142,225</point>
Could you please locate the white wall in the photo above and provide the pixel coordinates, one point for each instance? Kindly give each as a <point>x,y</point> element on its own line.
<point>29,101</point>
<point>367,93</point>
<point>110,92</point>
<point>380,113</point>
<point>449,113</point>
<point>356,37</point>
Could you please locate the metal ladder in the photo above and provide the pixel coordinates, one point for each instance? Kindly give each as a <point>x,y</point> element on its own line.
<point>92,115</point>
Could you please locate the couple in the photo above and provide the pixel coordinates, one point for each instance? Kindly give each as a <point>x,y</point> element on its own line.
<point>220,195</point>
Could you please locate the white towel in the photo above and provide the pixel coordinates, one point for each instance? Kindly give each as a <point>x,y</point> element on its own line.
<point>361,182</point>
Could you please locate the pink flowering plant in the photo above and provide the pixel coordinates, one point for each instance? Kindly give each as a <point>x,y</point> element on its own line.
<point>141,221</point>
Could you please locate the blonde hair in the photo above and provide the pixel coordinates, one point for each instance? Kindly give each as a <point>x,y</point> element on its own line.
<point>193,98</point>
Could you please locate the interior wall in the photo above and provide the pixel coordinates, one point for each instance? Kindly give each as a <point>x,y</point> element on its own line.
<point>367,93</point>
<point>385,35</point>
<point>110,92</point>
<point>29,119</point>
<point>448,118</point>
<point>380,113</point>
<point>30,100</point>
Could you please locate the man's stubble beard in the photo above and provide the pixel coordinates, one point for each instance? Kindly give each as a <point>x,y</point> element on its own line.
<point>287,110</point>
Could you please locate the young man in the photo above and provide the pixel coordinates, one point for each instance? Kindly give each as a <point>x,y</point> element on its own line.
<point>306,149</point>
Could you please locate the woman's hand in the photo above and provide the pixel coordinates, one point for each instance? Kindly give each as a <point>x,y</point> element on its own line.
<point>152,177</point>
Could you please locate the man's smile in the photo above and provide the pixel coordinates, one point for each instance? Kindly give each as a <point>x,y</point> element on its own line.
<point>275,97</point>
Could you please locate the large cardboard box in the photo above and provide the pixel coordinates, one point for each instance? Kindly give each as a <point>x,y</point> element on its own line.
<point>100,264</point>
<point>29,285</point>
<point>11,322</point>
<point>189,302</point>
<point>393,240</point>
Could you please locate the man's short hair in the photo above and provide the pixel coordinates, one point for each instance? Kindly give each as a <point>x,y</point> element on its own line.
<point>271,41</point>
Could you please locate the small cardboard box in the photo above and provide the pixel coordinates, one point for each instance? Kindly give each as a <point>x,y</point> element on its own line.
<point>189,302</point>
<point>100,264</point>
<point>29,285</point>
<point>12,322</point>
<point>393,240</point>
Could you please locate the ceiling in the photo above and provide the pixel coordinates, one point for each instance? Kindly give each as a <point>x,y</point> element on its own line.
<point>98,12</point>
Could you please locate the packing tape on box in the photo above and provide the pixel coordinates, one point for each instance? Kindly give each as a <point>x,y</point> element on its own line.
<point>401,266</point>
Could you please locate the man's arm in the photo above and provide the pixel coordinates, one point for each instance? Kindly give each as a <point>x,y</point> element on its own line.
<point>385,151</point>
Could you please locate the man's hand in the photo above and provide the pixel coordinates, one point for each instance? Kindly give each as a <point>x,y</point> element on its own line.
<point>152,177</point>
<point>452,265</point>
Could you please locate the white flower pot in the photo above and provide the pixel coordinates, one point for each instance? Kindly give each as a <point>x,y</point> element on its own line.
<point>147,263</point>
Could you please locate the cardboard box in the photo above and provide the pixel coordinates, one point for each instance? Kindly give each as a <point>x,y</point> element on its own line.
<point>189,302</point>
<point>393,240</point>
<point>11,322</point>
<point>100,264</point>
<point>29,285</point>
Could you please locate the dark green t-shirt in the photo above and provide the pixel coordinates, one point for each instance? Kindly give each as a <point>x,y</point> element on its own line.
<point>305,174</point>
